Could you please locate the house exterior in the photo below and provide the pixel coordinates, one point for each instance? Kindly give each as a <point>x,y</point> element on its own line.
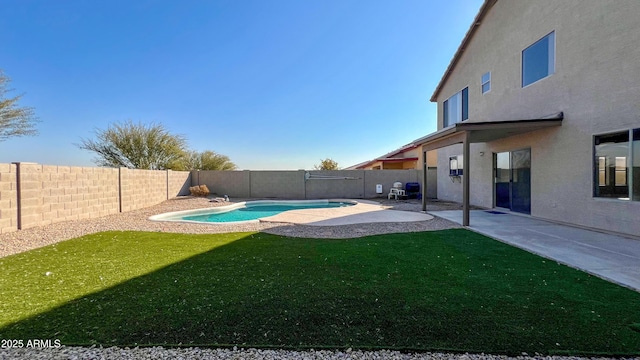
<point>407,157</point>
<point>539,113</point>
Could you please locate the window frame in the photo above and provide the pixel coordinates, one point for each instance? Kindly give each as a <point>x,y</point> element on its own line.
<point>483,83</point>
<point>551,57</point>
<point>612,169</point>
<point>462,108</point>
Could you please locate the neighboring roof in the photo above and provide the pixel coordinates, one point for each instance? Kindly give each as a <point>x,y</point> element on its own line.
<point>357,166</point>
<point>397,159</point>
<point>390,156</point>
<point>484,9</point>
<point>400,150</point>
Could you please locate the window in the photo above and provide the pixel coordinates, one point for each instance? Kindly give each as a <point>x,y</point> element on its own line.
<point>456,108</point>
<point>611,165</point>
<point>621,171</point>
<point>486,82</point>
<point>602,171</point>
<point>455,165</point>
<point>635,166</point>
<point>539,60</point>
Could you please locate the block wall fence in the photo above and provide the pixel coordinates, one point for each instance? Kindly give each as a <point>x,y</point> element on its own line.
<point>35,195</point>
<point>302,184</point>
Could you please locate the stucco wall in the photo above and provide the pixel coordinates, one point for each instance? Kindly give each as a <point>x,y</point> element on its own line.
<point>432,158</point>
<point>397,165</point>
<point>432,183</point>
<point>8,198</point>
<point>596,84</point>
<point>450,188</point>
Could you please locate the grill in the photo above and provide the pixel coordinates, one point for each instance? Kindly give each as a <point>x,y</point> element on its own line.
<point>412,189</point>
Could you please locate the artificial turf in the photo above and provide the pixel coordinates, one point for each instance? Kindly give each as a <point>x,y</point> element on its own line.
<point>446,290</point>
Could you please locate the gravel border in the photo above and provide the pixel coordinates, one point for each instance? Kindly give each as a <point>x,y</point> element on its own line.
<point>28,239</point>
<point>65,352</point>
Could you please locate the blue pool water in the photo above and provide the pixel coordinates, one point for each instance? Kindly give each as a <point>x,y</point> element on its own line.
<point>257,211</point>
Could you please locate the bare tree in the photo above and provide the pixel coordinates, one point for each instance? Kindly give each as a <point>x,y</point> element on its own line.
<point>14,120</point>
<point>137,146</point>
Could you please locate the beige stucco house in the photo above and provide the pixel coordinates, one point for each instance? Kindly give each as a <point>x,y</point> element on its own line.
<point>539,113</point>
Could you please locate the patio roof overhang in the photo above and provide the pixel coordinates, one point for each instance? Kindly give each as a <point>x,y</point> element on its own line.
<point>478,132</point>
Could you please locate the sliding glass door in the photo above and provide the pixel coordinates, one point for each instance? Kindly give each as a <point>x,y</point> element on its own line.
<point>512,171</point>
<point>503,180</point>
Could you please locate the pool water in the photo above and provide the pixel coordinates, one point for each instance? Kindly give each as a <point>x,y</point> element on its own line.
<point>258,211</point>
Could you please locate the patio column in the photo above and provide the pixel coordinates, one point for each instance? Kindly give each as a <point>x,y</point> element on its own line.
<point>424,181</point>
<point>465,179</point>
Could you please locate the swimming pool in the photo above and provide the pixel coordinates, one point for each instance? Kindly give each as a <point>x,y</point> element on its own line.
<point>250,211</point>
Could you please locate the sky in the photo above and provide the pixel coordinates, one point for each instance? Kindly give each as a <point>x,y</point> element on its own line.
<point>272,84</point>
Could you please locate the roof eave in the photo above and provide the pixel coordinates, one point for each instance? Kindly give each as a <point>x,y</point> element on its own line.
<point>397,159</point>
<point>484,9</point>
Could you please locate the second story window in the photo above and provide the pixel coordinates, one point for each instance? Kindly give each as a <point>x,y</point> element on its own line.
<point>539,60</point>
<point>456,108</point>
<point>486,82</point>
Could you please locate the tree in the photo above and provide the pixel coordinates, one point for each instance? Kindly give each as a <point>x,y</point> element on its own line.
<point>136,146</point>
<point>14,120</point>
<point>326,164</point>
<point>207,160</point>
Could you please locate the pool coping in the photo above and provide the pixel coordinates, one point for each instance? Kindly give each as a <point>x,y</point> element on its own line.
<point>363,211</point>
<point>234,206</point>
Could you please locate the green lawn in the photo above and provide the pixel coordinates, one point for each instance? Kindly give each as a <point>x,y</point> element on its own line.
<point>446,290</point>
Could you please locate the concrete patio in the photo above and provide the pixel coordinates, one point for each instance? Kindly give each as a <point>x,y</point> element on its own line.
<point>364,211</point>
<point>611,257</point>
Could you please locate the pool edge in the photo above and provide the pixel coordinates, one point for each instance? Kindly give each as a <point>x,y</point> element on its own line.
<point>165,217</point>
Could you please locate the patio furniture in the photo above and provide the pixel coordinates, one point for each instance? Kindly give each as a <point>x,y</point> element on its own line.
<point>396,193</point>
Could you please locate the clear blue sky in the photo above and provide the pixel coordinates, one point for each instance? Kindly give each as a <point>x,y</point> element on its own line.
<point>273,84</point>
